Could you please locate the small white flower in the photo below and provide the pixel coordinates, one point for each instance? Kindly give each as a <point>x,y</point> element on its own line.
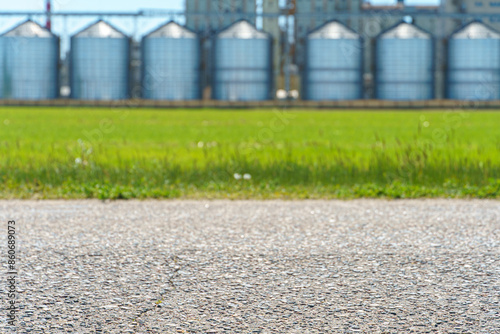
<point>78,161</point>
<point>237,176</point>
<point>200,144</point>
<point>247,176</point>
<point>426,124</point>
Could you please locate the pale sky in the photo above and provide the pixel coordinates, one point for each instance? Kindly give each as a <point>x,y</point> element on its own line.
<point>65,29</point>
<point>73,25</point>
<point>132,5</point>
<point>93,5</point>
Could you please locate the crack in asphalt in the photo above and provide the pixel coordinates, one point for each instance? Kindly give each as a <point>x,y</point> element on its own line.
<point>172,260</point>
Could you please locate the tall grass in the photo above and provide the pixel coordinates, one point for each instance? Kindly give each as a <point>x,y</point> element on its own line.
<point>387,163</point>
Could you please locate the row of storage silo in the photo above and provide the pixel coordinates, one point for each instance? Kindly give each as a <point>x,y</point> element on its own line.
<point>241,64</point>
<point>241,67</point>
<point>404,63</point>
<point>171,63</point>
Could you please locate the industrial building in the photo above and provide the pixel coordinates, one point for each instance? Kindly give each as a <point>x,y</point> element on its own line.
<point>404,64</point>
<point>312,13</point>
<point>333,64</point>
<point>234,50</point>
<point>29,61</point>
<point>367,19</point>
<point>99,63</point>
<point>474,63</point>
<point>209,16</point>
<point>171,63</point>
<point>242,69</point>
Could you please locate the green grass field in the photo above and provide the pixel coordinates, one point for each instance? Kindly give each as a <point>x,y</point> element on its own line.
<point>148,153</point>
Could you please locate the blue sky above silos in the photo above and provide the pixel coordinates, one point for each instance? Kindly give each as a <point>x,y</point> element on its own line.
<point>127,25</point>
<point>132,5</point>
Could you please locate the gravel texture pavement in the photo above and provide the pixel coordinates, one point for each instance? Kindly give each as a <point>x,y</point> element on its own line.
<point>368,266</point>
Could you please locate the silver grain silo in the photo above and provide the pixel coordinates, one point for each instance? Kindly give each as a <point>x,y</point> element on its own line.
<point>100,57</point>
<point>404,60</point>
<point>242,59</point>
<point>474,63</point>
<point>333,67</point>
<point>29,61</point>
<point>171,64</point>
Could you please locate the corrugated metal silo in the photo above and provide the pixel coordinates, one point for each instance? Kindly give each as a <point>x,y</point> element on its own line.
<point>100,57</point>
<point>333,69</point>
<point>171,64</point>
<point>474,63</point>
<point>29,61</point>
<point>404,59</point>
<point>242,61</point>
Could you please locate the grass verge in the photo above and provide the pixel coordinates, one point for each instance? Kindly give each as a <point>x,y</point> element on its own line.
<point>130,153</point>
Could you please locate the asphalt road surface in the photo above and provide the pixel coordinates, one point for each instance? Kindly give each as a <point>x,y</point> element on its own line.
<point>368,266</point>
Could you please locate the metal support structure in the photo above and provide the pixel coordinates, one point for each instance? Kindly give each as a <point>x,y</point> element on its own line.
<point>323,16</point>
<point>48,8</point>
<point>287,51</point>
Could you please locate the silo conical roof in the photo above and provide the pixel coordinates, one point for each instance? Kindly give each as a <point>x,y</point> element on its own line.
<point>476,30</point>
<point>333,30</point>
<point>405,31</point>
<point>242,29</point>
<point>172,30</point>
<point>29,29</point>
<point>100,29</point>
